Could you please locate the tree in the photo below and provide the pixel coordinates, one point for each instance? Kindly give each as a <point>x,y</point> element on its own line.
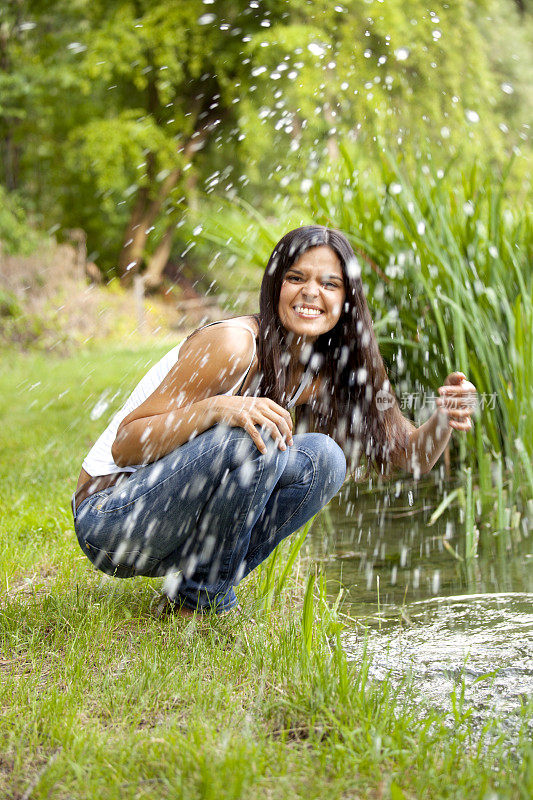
<point>118,115</point>
<point>173,77</point>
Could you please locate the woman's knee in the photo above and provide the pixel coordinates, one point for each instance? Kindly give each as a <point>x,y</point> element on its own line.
<point>329,460</point>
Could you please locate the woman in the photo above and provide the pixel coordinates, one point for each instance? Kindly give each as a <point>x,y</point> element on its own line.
<point>200,474</point>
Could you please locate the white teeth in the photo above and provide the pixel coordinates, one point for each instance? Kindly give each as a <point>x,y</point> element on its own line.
<point>307,312</point>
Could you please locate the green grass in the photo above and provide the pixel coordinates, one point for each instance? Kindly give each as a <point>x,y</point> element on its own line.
<point>100,699</point>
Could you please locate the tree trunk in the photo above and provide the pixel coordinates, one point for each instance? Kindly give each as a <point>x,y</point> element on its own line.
<point>158,261</point>
<point>10,159</point>
<point>145,213</point>
<point>9,150</point>
<point>130,256</point>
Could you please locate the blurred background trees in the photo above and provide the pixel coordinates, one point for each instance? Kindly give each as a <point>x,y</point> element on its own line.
<point>134,119</point>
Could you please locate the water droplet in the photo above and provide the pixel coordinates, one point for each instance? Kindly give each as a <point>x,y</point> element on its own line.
<point>316,49</point>
<point>472,116</point>
<point>76,47</point>
<point>402,54</point>
<point>206,19</point>
<point>101,406</point>
<point>507,88</point>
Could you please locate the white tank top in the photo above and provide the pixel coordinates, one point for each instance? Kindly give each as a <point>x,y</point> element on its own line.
<point>99,460</point>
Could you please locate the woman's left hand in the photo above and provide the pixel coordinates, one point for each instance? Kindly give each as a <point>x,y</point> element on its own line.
<point>458,399</point>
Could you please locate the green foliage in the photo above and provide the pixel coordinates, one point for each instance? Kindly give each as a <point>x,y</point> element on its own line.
<point>102,101</point>
<point>9,305</point>
<point>101,699</point>
<point>17,237</point>
<point>448,278</point>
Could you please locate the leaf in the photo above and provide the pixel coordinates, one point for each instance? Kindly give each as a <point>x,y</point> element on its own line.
<point>307,615</point>
<point>443,506</point>
<point>395,792</point>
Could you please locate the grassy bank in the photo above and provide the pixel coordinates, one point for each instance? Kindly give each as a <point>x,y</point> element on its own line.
<point>101,699</point>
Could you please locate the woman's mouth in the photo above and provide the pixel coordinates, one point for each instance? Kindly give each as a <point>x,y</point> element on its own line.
<point>307,312</point>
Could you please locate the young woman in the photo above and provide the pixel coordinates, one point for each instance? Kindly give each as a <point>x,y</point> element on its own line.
<point>203,471</point>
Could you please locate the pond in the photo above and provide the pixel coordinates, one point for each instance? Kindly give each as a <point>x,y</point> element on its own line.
<point>454,627</point>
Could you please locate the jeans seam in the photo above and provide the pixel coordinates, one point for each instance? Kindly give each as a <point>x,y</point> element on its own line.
<point>162,482</point>
<point>237,538</point>
<point>302,501</point>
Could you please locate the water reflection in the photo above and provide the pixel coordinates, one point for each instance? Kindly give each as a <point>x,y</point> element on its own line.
<point>449,624</point>
<point>474,650</point>
<point>382,538</point>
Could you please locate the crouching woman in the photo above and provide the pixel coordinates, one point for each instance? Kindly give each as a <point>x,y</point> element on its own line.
<point>203,471</point>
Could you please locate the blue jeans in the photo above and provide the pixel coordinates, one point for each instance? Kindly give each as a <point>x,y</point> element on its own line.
<point>208,513</point>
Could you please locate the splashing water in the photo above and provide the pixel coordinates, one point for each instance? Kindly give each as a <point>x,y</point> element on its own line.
<point>475,647</point>
<point>455,630</point>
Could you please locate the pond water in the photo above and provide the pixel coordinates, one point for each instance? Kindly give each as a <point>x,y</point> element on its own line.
<point>449,625</point>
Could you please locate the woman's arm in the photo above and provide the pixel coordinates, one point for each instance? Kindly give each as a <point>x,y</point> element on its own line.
<point>189,401</point>
<point>455,405</point>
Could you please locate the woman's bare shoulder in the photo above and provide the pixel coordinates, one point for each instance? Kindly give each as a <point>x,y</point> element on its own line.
<point>211,358</point>
<point>245,322</point>
<point>226,337</point>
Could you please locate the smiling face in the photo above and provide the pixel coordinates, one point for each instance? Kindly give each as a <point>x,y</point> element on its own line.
<point>312,293</point>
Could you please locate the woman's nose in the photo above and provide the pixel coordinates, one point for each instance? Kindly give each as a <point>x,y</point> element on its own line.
<point>310,290</point>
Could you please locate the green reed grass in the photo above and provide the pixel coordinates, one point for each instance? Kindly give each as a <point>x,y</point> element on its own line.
<point>455,250</point>
<point>451,278</point>
<point>101,699</point>
<point>450,282</point>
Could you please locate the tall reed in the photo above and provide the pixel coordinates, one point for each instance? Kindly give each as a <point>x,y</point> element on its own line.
<point>448,275</point>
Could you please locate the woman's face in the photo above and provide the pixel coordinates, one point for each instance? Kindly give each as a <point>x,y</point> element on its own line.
<point>312,293</point>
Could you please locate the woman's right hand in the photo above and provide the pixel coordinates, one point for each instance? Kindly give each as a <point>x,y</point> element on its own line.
<point>247,412</point>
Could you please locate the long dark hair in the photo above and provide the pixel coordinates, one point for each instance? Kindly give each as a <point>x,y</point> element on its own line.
<point>347,359</point>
